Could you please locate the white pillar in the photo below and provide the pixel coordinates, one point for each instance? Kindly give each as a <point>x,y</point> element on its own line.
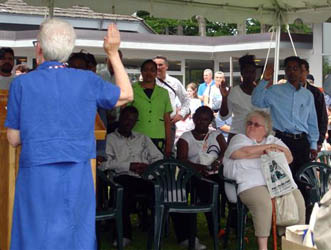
<point>231,72</point>
<point>216,65</point>
<point>29,61</point>
<point>182,69</point>
<point>276,59</point>
<point>316,58</point>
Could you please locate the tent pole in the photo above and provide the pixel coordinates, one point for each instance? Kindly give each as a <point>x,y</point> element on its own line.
<point>51,8</point>
<point>276,59</point>
<point>231,72</point>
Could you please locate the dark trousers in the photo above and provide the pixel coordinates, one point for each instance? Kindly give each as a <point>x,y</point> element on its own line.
<point>133,186</point>
<point>181,221</point>
<point>300,150</point>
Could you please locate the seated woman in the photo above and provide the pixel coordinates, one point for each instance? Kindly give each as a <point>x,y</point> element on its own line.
<point>242,162</point>
<point>191,143</point>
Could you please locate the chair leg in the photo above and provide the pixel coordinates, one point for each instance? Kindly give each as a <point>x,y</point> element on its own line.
<point>119,228</point>
<point>215,227</point>
<point>97,233</point>
<point>158,224</point>
<point>231,213</point>
<point>192,226</point>
<point>241,223</point>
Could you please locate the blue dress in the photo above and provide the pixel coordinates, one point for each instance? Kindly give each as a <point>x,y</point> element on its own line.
<point>54,109</point>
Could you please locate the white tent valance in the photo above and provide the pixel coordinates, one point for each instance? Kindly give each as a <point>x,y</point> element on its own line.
<point>231,11</point>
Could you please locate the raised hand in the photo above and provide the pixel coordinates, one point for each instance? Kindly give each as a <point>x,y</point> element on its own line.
<point>268,73</point>
<point>224,91</point>
<point>112,40</point>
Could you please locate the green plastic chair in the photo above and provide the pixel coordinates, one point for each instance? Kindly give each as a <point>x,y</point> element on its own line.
<point>112,209</point>
<point>315,177</point>
<point>241,212</point>
<point>324,157</point>
<point>175,194</point>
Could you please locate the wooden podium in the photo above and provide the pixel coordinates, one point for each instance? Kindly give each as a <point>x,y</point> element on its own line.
<point>9,157</point>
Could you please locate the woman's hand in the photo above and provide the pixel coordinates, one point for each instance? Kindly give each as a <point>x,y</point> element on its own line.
<point>216,164</point>
<point>223,89</point>
<point>112,40</point>
<point>274,148</point>
<point>202,169</point>
<point>278,148</point>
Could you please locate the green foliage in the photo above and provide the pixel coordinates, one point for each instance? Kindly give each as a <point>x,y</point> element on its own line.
<point>220,29</point>
<point>191,26</point>
<point>300,28</point>
<point>253,26</point>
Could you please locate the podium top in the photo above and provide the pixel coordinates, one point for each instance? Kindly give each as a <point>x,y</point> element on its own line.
<point>99,128</point>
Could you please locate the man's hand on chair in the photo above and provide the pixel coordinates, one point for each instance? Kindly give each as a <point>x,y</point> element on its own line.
<point>138,167</point>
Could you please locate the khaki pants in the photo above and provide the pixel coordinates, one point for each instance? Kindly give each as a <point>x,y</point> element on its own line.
<point>258,201</point>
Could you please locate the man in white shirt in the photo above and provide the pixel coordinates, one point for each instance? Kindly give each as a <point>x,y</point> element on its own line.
<point>128,155</point>
<point>6,67</point>
<point>176,91</point>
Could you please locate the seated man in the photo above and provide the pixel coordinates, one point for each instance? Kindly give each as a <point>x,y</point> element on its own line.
<point>128,154</point>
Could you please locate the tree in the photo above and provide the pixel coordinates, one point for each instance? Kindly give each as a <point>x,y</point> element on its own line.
<point>190,26</point>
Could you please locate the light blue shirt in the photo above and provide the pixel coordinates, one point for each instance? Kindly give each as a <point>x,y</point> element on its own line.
<point>203,86</point>
<point>292,110</point>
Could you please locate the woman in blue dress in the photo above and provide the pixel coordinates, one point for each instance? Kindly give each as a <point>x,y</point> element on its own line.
<point>51,113</point>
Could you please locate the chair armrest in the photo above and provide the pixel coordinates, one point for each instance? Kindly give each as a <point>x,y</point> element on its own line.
<point>115,188</point>
<point>212,186</point>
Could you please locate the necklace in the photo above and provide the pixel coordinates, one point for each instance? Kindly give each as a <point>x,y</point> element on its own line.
<point>199,135</point>
<point>57,66</point>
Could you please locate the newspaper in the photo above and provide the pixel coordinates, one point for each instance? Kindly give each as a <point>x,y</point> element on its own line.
<point>277,174</point>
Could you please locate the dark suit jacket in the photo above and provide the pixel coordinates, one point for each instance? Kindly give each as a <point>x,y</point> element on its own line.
<point>322,116</point>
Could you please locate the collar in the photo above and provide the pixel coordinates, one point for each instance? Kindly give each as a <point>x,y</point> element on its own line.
<point>258,143</point>
<point>132,136</point>
<point>306,84</point>
<point>291,85</point>
<point>210,84</point>
<point>51,64</point>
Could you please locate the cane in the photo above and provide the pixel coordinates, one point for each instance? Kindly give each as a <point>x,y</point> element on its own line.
<point>274,229</point>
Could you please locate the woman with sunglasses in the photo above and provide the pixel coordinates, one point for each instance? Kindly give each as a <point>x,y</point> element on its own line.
<point>189,149</point>
<point>242,162</point>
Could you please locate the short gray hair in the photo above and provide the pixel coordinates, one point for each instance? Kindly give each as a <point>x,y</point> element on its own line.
<point>219,73</point>
<point>57,39</point>
<point>266,117</point>
<point>208,71</point>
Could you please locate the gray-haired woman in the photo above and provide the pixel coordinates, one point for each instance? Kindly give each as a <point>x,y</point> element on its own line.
<point>242,162</point>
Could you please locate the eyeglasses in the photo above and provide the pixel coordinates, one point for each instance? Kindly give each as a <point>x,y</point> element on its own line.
<point>35,43</point>
<point>255,124</point>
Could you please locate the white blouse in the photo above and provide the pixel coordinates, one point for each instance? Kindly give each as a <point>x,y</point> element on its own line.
<point>246,172</point>
<point>239,104</point>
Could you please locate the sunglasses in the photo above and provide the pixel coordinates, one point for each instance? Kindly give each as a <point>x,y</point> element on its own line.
<point>34,43</point>
<point>255,124</point>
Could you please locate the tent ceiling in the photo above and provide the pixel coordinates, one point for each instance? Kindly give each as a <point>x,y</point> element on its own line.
<point>232,11</point>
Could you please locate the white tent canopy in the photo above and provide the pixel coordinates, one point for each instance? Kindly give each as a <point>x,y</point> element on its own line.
<point>231,11</point>
<point>274,12</point>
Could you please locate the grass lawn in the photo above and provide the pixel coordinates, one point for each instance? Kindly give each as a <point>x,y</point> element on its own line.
<point>140,238</point>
